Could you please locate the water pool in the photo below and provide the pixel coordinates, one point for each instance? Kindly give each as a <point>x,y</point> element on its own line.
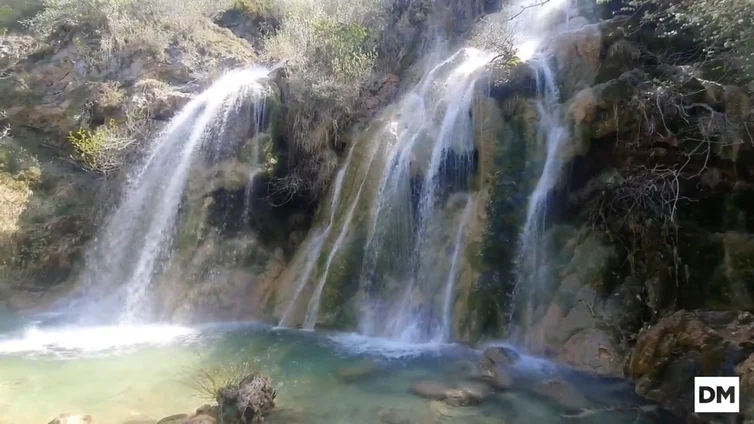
<point>140,374</point>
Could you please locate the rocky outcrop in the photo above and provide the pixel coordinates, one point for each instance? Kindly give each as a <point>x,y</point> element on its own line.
<point>53,88</point>
<point>643,223</point>
<point>248,402</point>
<point>669,354</point>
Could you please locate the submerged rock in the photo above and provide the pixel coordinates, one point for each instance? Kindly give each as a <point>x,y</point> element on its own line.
<point>72,419</point>
<point>495,366</point>
<point>186,419</point>
<point>361,370</point>
<point>561,393</point>
<point>391,416</point>
<point>176,418</point>
<point>431,390</point>
<point>469,394</point>
<point>501,355</point>
<point>466,395</point>
<point>248,402</point>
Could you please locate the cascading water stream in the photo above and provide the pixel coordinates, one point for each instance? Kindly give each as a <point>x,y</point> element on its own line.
<point>315,246</point>
<point>447,305</point>
<point>255,157</point>
<point>312,310</point>
<point>532,27</point>
<point>138,236</point>
<point>552,131</point>
<point>432,156</point>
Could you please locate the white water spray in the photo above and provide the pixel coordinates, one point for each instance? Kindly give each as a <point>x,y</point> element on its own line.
<point>432,155</point>
<point>138,236</point>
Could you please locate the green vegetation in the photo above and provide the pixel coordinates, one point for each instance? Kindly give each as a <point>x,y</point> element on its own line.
<point>127,26</point>
<point>261,8</point>
<point>722,27</point>
<point>207,381</point>
<point>14,12</point>
<point>102,149</point>
<point>329,50</point>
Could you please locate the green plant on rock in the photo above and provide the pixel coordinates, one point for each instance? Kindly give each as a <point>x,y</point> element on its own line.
<point>258,8</point>
<point>208,381</point>
<point>722,27</point>
<point>330,53</point>
<point>102,149</point>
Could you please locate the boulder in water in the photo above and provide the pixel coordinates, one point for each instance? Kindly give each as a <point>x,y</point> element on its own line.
<point>432,390</point>
<point>469,394</point>
<point>495,366</point>
<point>465,395</point>
<point>501,355</point>
<point>247,402</point>
<point>72,419</point>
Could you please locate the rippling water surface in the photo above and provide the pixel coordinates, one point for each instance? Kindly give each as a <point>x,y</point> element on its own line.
<point>143,373</point>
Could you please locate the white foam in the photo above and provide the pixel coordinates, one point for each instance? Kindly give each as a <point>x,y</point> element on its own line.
<point>358,344</point>
<point>95,339</point>
<point>526,364</point>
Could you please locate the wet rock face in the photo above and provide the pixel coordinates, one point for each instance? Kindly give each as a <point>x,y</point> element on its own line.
<point>692,343</point>
<point>248,402</point>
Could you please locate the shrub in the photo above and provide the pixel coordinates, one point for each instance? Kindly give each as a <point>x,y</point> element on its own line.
<point>207,381</point>
<point>103,149</point>
<point>329,50</point>
<point>722,26</point>
<point>259,8</point>
<point>123,25</point>
<point>13,12</point>
<point>492,33</point>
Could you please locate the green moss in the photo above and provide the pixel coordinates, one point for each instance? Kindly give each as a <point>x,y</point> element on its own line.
<point>491,297</point>
<point>343,283</point>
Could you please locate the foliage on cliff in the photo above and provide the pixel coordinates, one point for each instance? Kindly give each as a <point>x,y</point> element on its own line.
<point>721,28</point>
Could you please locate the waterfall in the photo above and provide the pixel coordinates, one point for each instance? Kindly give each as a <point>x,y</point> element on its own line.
<point>552,132</point>
<point>532,27</point>
<point>420,154</point>
<point>312,310</point>
<point>138,236</point>
<point>433,155</point>
<point>449,297</point>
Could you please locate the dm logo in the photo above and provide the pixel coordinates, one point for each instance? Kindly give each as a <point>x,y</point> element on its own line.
<point>716,395</point>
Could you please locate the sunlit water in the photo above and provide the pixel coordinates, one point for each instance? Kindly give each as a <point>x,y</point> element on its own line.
<point>144,373</point>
